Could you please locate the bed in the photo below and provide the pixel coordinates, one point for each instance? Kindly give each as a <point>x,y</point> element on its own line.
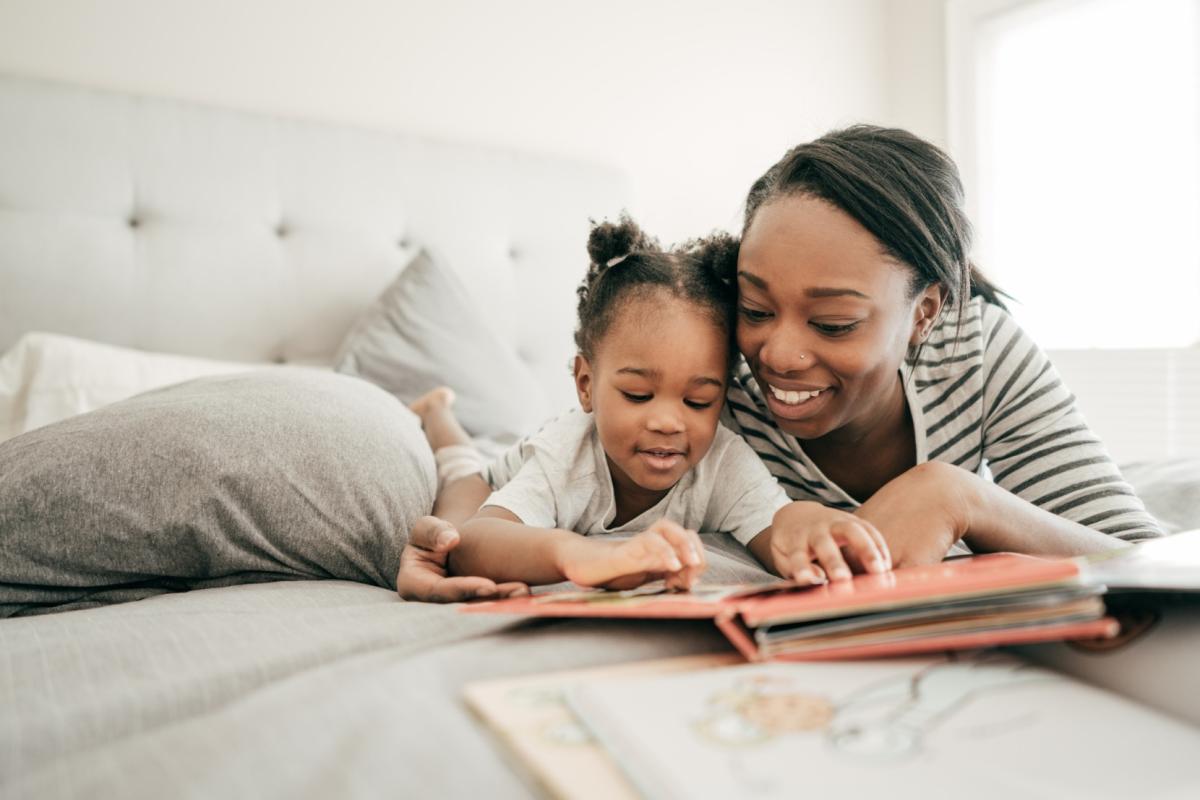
<point>231,242</point>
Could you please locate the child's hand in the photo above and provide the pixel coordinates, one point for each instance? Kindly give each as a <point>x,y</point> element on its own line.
<point>423,574</point>
<point>810,541</point>
<point>666,550</point>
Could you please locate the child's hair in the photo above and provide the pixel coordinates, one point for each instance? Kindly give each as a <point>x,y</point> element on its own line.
<point>901,188</point>
<point>626,264</point>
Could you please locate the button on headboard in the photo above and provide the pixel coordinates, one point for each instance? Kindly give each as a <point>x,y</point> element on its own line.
<point>173,227</point>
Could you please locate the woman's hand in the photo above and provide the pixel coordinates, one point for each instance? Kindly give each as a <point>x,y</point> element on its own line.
<point>666,550</point>
<point>424,575</point>
<point>922,512</point>
<point>808,541</point>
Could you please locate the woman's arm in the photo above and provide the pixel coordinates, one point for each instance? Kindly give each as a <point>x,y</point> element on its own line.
<point>924,511</point>
<point>1039,448</point>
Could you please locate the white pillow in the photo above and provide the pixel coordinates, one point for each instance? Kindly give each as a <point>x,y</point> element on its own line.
<point>47,377</point>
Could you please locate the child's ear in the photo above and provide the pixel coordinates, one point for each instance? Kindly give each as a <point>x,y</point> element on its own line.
<point>926,312</point>
<point>583,382</point>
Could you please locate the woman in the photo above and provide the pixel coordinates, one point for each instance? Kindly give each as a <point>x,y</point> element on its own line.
<point>882,376</point>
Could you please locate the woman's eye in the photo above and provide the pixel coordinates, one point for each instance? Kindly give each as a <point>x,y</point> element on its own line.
<point>636,398</point>
<point>834,330</point>
<point>696,404</point>
<point>753,314</point>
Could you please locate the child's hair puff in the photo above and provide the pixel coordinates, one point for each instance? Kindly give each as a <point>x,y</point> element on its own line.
<point>627,263</point>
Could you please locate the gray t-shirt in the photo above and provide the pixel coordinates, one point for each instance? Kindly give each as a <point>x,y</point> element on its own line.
<point>559,478</point>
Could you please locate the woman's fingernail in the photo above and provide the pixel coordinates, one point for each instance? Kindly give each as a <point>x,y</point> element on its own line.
<point>445,538</point>
<point>693,556</point>
<point>674,564</point>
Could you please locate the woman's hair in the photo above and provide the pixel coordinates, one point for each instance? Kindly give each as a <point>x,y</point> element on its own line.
<point>901,188</point>
<point>627,264</point>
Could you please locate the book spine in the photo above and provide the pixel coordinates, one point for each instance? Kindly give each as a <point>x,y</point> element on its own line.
<point>1103,628</point>
<point>730,624</point>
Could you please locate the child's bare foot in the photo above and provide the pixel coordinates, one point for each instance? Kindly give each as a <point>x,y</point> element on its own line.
<point>435,410</point>
<point>433,401</point>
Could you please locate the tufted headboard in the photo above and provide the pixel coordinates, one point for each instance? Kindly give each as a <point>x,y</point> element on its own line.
<point>172,227</point>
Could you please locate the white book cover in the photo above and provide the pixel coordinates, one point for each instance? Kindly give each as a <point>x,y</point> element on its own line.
<point>976,725</point>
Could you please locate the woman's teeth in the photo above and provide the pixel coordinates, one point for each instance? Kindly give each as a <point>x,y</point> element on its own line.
<point>792,398</point>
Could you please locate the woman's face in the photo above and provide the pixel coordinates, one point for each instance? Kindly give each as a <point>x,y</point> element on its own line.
<point>825,318</point>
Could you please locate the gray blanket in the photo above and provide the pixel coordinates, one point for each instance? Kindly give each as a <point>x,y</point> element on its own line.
<point>293,689</point>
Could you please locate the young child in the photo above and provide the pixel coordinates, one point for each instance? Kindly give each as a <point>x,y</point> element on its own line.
<point>643,456</point>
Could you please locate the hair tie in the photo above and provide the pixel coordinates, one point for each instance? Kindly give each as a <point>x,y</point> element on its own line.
<point>612,262</point>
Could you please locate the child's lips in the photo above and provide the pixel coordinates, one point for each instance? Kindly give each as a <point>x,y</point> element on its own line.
<point>661,458</point>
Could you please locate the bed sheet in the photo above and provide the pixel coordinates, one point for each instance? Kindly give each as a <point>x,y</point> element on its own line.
<point>290,689</point>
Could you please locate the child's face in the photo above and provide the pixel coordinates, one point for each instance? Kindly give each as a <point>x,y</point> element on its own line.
<point>656,383</point>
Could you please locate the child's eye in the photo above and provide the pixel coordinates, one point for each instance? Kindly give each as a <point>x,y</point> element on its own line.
<point>753,314</point>
<point>834,330</point>
<point>697,404</point>
<point>636,398</point>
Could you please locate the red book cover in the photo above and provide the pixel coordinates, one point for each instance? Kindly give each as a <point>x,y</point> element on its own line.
<point>972,583</point>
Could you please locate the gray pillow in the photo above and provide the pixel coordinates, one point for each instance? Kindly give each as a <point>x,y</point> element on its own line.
<point>425,331</point>
<point>1170,488</point>
<point>284,474</point>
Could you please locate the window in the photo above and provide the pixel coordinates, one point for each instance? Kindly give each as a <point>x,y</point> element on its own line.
<point>1077,123</point>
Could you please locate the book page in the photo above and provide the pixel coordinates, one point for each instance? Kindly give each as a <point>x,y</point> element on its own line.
<point>530,714</point>
<point>983,725</point>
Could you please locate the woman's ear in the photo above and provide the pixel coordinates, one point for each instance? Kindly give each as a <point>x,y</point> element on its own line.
<point>583,382</point>
<point>926,312</point>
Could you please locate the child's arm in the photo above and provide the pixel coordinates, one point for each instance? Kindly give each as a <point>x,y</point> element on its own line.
<point>460,499</point>
<point>497,545</point>
<point>806,541</point>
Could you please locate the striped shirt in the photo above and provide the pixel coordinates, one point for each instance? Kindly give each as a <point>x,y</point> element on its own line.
<point>983,397</point>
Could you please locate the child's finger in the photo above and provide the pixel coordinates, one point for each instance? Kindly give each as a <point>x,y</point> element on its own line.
<point>678,581</point>
<point>432,589</point>
<point>685,543</point>
<point>692,572</point>
<point>512,589</point>
<point>433,533</point>
<point>688,549</point>
<point>650,552</point>
<point>665,557</point>
<point>829,555</point>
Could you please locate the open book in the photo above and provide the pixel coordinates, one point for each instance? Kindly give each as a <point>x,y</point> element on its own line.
<point>985,725</point>
<point>1002,598</point>
<point>982,724</point>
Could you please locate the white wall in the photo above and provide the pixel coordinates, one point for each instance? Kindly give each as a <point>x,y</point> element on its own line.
<point>694,99</point>
<point>915,33</point>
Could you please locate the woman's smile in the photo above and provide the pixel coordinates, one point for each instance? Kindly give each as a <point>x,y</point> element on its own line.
<point>794,404</point>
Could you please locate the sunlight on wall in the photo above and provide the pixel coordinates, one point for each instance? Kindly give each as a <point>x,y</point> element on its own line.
<point>1089,182</point>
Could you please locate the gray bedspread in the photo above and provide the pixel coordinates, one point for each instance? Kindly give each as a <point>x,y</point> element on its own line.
<point>290,689</point>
